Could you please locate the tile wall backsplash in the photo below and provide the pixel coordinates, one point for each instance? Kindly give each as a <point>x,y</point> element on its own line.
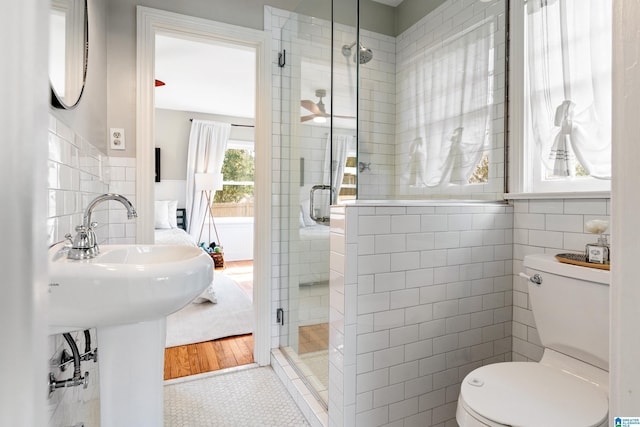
<point>122,171</point>
<point>546,226</point>
<point>79,172</point>
<point>420,296</point>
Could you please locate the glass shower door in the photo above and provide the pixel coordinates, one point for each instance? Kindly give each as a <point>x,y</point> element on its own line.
<point>305,104</point>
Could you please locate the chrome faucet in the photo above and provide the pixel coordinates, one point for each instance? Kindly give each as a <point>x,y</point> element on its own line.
<point>84,245</point>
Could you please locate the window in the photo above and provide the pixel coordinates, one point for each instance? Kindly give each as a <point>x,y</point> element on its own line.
<point>236,197</point>
<point>567,96</point>
<point>348,188</point>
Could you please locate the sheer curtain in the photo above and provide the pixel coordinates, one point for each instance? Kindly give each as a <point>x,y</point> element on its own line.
<point>452,93</point>
<point>569,75</point>
<point>207,145</point>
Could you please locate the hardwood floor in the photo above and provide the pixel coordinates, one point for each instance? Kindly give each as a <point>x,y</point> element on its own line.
<point>193,359</point>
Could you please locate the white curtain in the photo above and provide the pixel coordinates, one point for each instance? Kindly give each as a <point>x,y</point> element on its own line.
<point>451,99</point>
<point>569,75</point>
<point>207,145</point>
<point>335,160</point>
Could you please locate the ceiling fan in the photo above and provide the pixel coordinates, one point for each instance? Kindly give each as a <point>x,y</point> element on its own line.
<point>318,110</point>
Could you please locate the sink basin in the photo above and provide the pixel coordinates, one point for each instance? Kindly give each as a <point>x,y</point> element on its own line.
<point>124,284</point>
<point>126,292</point>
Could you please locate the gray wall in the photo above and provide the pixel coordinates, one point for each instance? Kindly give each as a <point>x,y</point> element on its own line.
<point>172,137</point>
<point>411,11</point>
<point>89,118</point>
<point>121,46</point>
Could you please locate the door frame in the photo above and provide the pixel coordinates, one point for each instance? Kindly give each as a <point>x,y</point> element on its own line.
<point>149,23</point>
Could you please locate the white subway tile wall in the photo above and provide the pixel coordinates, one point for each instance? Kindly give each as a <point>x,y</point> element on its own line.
<point>282,210</point>
<point>78,172</point>
<point>545,226</point>
<point>414,318</point>
<point>376,115</point>
<point>122,181</point>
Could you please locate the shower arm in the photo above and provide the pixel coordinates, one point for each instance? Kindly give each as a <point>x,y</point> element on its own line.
<point>346,50</point>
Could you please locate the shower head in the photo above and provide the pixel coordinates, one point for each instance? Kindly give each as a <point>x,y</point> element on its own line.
<point>362,56</point>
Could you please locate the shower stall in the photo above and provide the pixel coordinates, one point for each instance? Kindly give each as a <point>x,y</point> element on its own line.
<point>395,109</point>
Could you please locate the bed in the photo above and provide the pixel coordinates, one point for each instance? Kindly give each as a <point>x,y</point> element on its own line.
<point>171,229</point>
<point>175,235</point>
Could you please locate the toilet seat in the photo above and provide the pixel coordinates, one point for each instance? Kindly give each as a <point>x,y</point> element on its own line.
<point>532,394</point>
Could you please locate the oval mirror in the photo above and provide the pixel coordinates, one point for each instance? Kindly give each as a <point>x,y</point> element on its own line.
<point>68,51</point>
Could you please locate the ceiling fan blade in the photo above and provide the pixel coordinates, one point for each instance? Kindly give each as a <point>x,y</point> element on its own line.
<point>311,106</point>
<point>307,118</point>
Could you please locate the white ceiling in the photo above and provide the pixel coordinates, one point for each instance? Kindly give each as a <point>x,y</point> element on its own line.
<point>220,79</point>
<point>205,77</point>
<point>393,3</point>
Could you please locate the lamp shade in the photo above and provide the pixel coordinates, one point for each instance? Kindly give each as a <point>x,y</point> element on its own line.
<point>208,181</point>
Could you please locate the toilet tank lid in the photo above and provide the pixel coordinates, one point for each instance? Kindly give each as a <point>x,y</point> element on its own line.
<point>531,394</point>
<point>549,264</point>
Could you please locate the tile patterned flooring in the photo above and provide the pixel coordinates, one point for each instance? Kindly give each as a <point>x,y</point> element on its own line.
<point>239,397</point>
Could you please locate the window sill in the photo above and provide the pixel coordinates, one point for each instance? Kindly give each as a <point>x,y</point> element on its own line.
<point>559,195</point>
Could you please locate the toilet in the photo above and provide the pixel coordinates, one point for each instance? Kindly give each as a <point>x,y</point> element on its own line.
<point>569,386</point>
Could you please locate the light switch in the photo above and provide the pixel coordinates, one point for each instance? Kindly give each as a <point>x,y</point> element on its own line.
<point>116,138</point>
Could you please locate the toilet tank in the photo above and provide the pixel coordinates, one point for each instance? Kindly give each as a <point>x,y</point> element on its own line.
<point>571,308</point>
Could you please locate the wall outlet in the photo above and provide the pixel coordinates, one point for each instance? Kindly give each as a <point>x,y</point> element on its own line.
<point>116,138</point>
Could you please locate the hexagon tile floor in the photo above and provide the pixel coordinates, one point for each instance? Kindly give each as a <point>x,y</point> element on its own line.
<point>252,397</point>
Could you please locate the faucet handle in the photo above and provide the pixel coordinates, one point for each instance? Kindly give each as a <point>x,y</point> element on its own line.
<point>93,225</point>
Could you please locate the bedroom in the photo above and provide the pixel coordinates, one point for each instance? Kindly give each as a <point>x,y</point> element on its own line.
<point>189,96</point>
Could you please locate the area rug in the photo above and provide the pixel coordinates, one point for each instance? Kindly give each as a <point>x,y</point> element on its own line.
<point>232,315</point>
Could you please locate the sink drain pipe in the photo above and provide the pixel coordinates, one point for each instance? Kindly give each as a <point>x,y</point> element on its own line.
<point>77,378</point>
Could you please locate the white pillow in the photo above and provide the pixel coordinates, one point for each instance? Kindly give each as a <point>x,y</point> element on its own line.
<point>162,214</point>
<point>172,206</point>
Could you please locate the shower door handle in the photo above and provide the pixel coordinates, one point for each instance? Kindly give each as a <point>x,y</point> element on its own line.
<point>312,214</point>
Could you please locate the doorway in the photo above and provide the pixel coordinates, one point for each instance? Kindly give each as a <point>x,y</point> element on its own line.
<point>153,22</point>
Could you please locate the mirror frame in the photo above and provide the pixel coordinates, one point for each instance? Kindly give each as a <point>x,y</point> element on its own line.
<point>56,100</point>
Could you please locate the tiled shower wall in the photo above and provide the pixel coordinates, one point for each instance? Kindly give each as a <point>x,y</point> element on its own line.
<point>545,226</point>
<point>420,296</point>
<point>79,172</point>
<point>376,115</point>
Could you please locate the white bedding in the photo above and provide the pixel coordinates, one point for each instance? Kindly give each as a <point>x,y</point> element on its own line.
<point>314,254</point>
<point>174,236</point>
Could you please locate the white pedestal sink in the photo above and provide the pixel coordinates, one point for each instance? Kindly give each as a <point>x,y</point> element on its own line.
<point>126,292</point>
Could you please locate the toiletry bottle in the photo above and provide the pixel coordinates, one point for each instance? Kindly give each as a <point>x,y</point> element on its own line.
<point>598,253</point>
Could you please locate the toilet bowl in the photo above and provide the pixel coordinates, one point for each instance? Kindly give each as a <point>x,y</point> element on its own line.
<point>569,386</point>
